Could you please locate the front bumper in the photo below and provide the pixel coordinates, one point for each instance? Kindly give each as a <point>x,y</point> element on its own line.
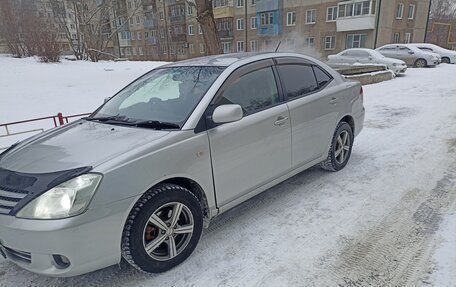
<point>89,241</point>
<point>399,69</point>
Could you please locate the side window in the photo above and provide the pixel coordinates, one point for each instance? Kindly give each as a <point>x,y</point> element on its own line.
<point>299,79</point>
<point>254,91</point>
<point>322,77</point>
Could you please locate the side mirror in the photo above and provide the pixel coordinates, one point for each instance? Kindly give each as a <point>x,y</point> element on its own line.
<point>227,114</point>
<point>106,99</point>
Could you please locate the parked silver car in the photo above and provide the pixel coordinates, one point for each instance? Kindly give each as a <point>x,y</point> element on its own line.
<point>410,54</point>
<point>143,175</point>
<point>365,56</point>
<point>448,56</point>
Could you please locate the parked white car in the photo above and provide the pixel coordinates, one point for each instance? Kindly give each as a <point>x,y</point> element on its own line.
<point>448,56</point>
<point>410,55</point>
<point>366,56</point>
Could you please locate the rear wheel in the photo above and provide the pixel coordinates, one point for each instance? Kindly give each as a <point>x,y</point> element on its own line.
<point>420,63</point>
<point>162,229</point>
<point>341,147</point>
<point>446,60</point>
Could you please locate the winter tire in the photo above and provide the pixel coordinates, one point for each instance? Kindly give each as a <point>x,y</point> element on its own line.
<point>341,147</point>
<point>163,228</point>
<point>420,63</point>
<point>446,60</point>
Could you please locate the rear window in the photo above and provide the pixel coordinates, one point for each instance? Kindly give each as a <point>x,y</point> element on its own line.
<point>322,77</point>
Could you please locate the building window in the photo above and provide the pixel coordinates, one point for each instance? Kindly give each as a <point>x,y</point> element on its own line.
<point>396,38</point>
<point>311,16</point>
<point>202,48</point>
<point>356,41</point>
<point>330,42</point>
<point>138,20</point>
<point>134,51</point>
<point>400,11</point>
<point>226,47</point>
<point>267,18</point>
<point>240,46</point>
<point>140,51</point>
<point>240,24</point>
<point>291,18</point>
<point>191,48</point>
<point>407,38</point>
<point>161,15</point>
<point>253,23</point>
<point>190,29</point>
<point>131,21</point>
<point>189,10</point>
<point>331,14</point>
<point>129,5</point>
<point>253,46</point>
<point>411,12</point>
<point>310,42</point>
<point>240,3</point>
<point>200,31</point>
<point>252,2</point>
<point>139,36</point>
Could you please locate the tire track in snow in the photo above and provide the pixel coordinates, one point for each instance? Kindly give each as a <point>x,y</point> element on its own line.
<point>397,251</point>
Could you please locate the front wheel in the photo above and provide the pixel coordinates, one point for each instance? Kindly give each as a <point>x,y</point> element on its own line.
<point>420,63</point>
<point>162,229</point>
<point>341,147</point>
<point>445,60</point>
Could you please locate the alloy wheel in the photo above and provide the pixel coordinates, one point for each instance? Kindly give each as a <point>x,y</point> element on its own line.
<point>342,147</point>
<point>168,231</point>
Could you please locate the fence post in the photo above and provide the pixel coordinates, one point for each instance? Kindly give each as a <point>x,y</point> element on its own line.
<point>60,117</point>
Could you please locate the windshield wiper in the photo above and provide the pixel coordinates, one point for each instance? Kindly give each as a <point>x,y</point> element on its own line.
<point>155,125</point>
<point>104,119</point>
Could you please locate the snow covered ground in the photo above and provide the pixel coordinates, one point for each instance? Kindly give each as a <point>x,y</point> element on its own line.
<point>387,219</point>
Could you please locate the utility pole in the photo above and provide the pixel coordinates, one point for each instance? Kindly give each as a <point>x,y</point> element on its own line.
<point>116,31</point>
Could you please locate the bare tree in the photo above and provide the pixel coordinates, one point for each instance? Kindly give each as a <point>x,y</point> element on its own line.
<point>10,27</point>
<point>205,17</point>
<point>443,21</point>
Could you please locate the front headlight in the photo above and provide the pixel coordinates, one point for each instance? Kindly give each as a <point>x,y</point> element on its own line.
<point>65,200</point>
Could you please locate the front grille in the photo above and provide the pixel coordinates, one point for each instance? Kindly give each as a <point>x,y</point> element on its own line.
<point>9,198</point>
<point>17,255</point>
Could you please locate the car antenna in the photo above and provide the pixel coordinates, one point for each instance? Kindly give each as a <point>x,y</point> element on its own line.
<point>278,45</point>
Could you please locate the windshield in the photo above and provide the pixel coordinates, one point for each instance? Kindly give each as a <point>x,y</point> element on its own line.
<point>164,95</point>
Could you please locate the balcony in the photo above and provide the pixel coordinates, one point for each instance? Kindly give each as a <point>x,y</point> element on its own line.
<point>269,30</point>
<point>179,19</point>
<point>223,12</point>
<point>150,23</point>
<point>268,5</point>
<point>179,38</point>
<point>355,23</point>
<point>355,15</point>
<point>152,40</point>
<point>225,34</point>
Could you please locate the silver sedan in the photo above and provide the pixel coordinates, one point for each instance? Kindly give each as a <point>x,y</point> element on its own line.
<point>143,175</point>
<point>361,56</point>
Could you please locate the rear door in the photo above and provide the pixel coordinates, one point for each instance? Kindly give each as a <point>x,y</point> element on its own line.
<point>314,110</point>
<point>406,55</point>
<point>256,149</point>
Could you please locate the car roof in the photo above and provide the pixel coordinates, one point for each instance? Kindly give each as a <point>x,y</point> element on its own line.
<point>226,60</point>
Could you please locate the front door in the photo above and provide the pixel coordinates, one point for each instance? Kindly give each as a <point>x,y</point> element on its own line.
<point>256,149</point>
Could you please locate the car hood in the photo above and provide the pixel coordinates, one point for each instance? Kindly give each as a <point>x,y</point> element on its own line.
<point>78,144</point>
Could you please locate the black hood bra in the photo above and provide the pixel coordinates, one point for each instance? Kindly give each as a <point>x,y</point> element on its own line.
<point>29,186</point>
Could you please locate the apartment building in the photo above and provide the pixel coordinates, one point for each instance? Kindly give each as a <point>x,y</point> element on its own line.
<point>168,29</point>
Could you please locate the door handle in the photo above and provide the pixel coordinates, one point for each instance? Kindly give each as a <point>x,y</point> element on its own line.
<point>333,101</point>
<point>280,121</point>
